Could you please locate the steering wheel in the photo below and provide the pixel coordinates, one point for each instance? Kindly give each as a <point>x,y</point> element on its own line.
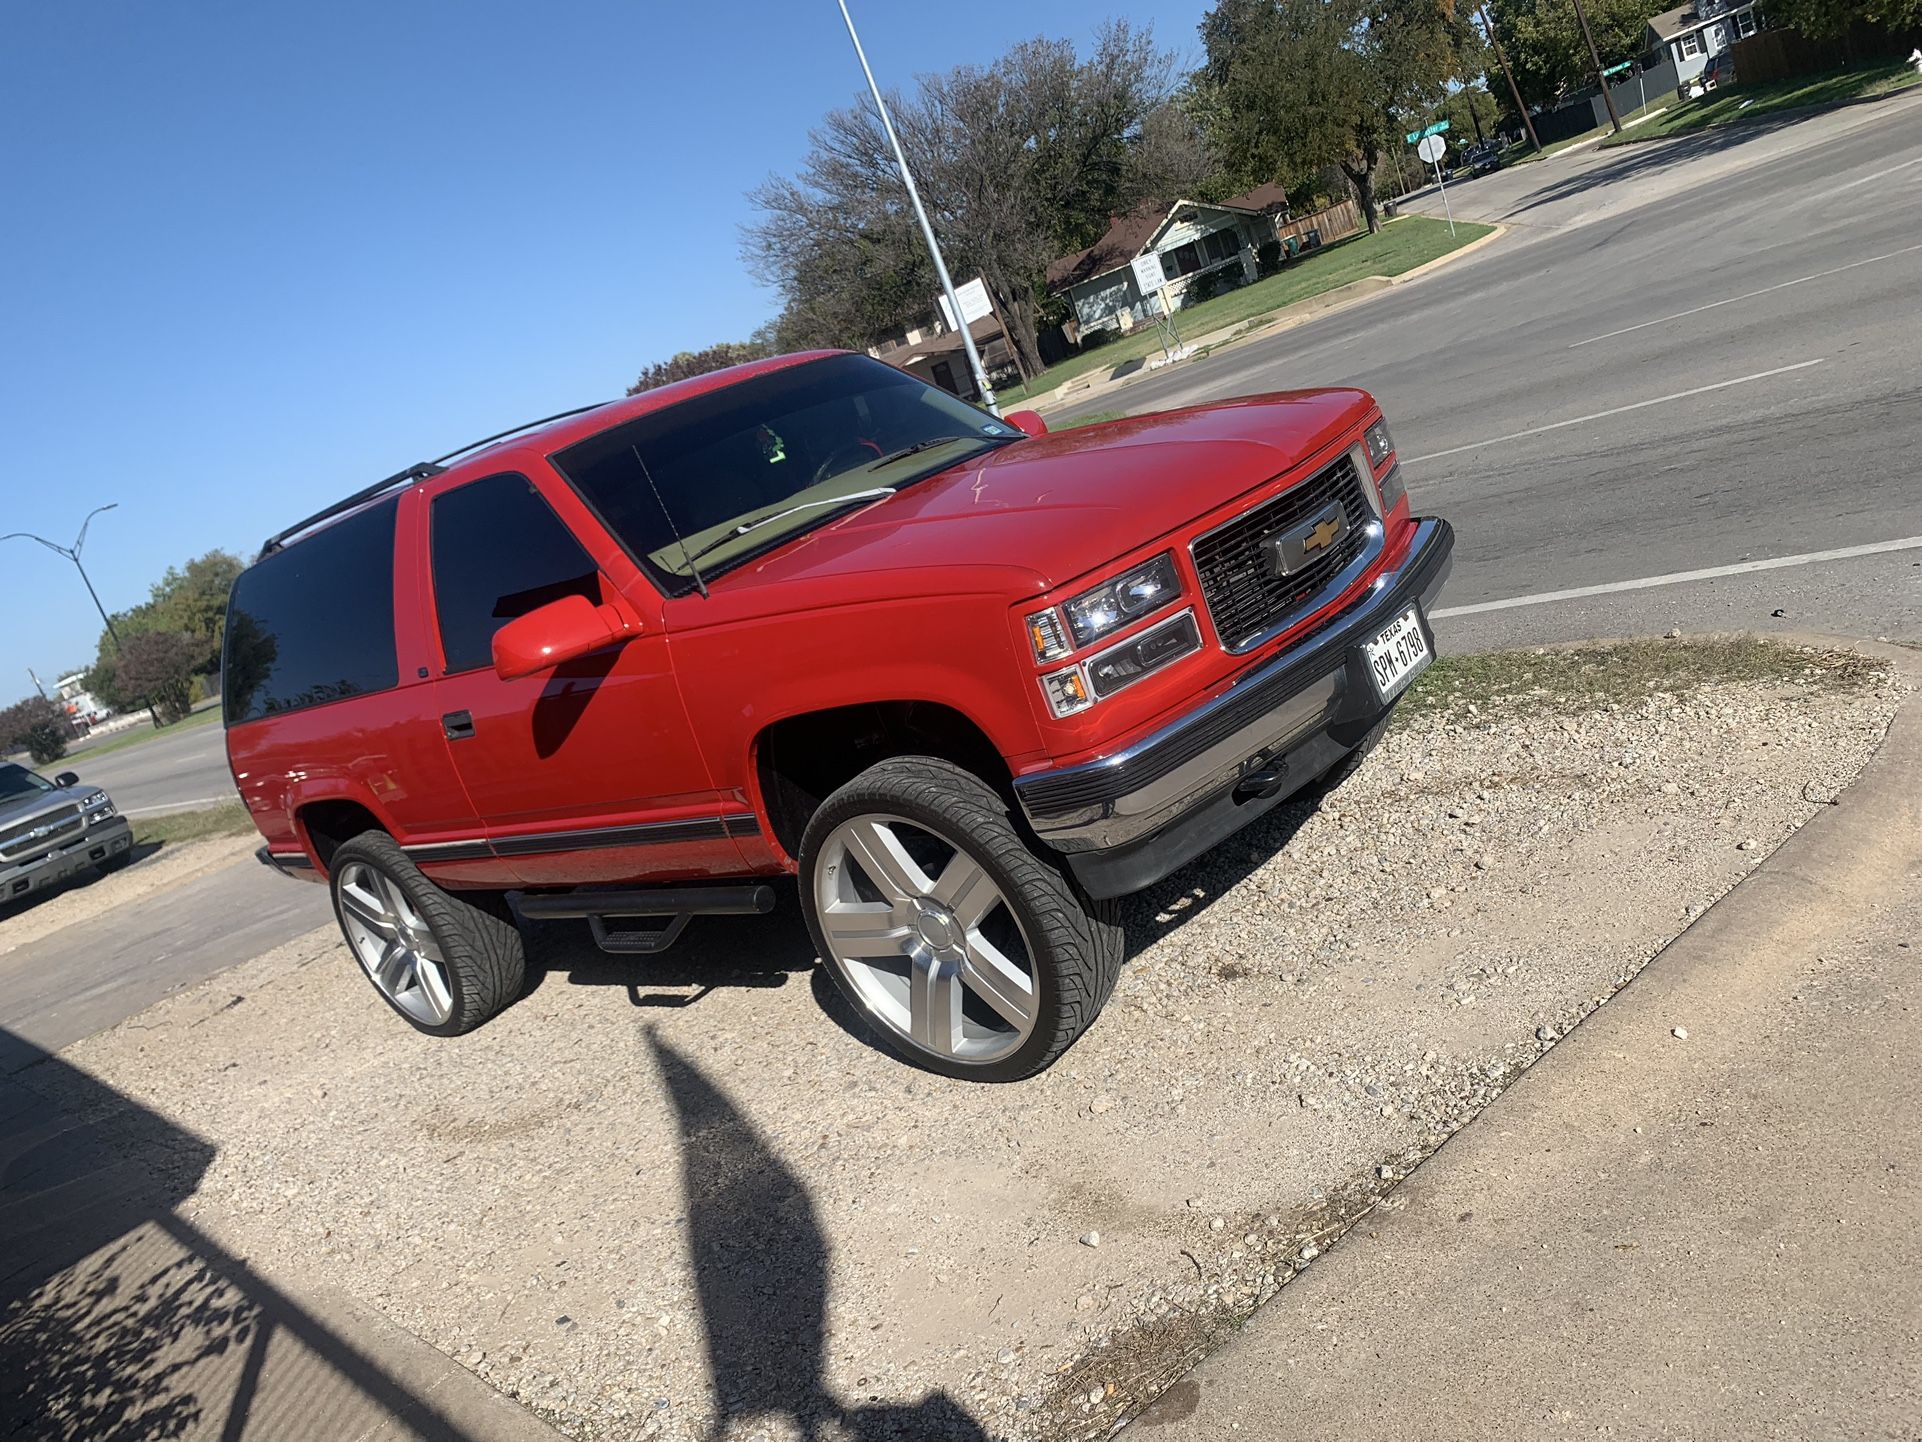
<point>858,450</point>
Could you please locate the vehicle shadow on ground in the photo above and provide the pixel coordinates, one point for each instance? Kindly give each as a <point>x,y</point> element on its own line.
<point>119,1319</point>
<point>1171,903</point>
<point>760,1262</point>
<point>140,851</point>
<point>715,952</point>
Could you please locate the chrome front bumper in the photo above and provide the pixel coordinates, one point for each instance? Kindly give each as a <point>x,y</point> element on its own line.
<point>1298,713</point>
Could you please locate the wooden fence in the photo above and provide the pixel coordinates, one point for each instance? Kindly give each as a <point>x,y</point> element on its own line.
<point>1786,54</point>
<point>1333,223</point>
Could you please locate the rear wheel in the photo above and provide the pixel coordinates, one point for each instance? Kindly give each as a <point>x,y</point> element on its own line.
<point>970,954</point>
<point>444,963</point>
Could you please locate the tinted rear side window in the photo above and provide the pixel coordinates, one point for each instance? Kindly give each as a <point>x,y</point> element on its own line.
<point>314,623</point>
<point>499,552</point>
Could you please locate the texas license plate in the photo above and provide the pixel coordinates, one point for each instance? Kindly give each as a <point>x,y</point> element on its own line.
<point>1397,654</point>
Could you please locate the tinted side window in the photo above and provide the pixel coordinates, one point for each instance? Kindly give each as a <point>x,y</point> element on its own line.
<point>500,551</point>
<point>315,622</point>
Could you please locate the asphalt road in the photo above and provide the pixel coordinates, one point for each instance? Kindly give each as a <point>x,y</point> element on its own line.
<point>1693,356</point>
<point>1735,316</point>
<point>175,771</point>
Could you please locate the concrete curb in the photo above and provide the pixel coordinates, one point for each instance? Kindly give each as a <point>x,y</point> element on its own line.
<point>1314,307</point>
<point>1602,1251</point>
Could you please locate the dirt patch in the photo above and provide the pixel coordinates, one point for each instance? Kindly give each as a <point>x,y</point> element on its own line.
<point>157,865</point>
<point>681,1197</point>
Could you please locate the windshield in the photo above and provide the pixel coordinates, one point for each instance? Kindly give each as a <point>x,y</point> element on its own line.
<point>723,476</point>
<point>17,781</point>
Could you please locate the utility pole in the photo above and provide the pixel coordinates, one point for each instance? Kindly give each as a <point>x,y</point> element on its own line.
<point>72,553</point>
<point>1513,89</point>
<point>927,230</point>
<point>1600,79</point>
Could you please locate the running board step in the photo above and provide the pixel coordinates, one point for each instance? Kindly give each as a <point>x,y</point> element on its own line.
<point>677,901</point>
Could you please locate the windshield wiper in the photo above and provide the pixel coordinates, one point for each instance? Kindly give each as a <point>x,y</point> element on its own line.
<point>873,493</point>
<point>917,448</point>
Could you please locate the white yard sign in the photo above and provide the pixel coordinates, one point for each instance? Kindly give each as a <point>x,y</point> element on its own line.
<point>974,303</point>
<point>1148,272</point>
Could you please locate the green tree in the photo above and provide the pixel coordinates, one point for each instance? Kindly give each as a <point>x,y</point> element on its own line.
<point>1297,85</point>
<point>1545,48</point>
<point>158,667</point>
<point>1019,162</point>
<point>190,601</point>
<point>685,365</point>
<point>1821,19</point>
<point>36,725</point>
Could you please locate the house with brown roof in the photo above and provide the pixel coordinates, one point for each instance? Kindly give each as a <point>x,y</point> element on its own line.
<point>1193,238</point>
<point>1693,33</point>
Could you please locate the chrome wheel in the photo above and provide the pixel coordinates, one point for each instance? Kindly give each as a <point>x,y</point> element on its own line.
<point>925,939</point>
<point>394,944</point>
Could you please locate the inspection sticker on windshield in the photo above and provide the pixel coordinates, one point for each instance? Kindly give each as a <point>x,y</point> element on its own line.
<point>1397,654</point>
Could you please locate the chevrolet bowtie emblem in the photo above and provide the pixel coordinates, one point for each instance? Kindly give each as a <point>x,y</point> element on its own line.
<point>1323,535</point>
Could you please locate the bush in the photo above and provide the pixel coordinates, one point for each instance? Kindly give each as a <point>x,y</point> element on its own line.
<point>159,669</point>
<point>1268,257</point>
<point>37,724</point>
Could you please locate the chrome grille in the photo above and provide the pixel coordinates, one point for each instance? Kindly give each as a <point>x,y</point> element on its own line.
<point>17,839</point>
<point>1245,596</point>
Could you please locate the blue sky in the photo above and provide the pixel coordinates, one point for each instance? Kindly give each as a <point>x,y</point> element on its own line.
<point>257,256</point>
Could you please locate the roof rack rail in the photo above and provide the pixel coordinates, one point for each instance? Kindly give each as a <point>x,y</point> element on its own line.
<point>419,471</point>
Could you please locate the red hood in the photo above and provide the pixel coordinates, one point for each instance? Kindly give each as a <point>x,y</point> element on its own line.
<point>1063,505</point>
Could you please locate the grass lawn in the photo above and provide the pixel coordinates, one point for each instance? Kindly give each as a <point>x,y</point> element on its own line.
<point>1517,154</point>
<point>1402,245</point>
<point>1740,104</point>
<point>230,819</point>
<point>203,717</point>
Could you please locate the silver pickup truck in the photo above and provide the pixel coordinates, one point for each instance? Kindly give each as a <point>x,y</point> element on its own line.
<point>51,829</point>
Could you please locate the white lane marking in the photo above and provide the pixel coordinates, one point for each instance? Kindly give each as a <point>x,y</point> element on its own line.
<point>180,805</point>
<point>1750,295</point>
<point>1678,578</point>
<point>1614,411</point>
<point>1866,179</point>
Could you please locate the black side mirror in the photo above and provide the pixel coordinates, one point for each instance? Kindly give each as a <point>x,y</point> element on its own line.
<point>65,779</point>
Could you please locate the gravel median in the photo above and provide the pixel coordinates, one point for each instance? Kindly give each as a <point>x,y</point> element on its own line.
<point>679,1197</point>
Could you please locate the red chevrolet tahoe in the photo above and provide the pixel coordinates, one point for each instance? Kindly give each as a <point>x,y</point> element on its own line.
<point>968,680</point>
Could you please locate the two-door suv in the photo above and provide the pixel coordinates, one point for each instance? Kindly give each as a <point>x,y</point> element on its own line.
<point>969,680</point>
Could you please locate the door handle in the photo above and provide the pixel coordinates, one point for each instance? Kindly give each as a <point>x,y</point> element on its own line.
<point>457,725</point>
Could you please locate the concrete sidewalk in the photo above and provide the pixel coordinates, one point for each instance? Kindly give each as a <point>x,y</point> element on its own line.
<point>121,1317</point>
<point>1699,1217</point>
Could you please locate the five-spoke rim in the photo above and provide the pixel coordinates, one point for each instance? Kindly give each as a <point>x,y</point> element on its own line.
<point>925,939</point>
<point>394,944</point>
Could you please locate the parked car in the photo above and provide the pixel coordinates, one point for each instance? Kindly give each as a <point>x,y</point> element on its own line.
<point>967,680</point>
<point>1719,71</point>
<point>1482,159</point>
<point>49,830</point>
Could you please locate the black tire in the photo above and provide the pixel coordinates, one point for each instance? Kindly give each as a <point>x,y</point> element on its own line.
<point>479,943</point>
<point>1075,943</point>
<point>119,861</point>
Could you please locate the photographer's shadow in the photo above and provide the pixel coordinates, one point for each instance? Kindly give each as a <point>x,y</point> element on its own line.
<point>761,1272</point>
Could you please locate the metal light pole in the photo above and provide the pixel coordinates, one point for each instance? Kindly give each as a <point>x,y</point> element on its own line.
<point>72,553</point>
<point>1513,89</point>
<point>927,230</point>
<point>1600,79</point>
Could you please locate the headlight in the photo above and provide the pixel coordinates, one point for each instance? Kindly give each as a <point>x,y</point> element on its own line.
<point>99,807</point>
<point>1129,596</point>
<point>1381,445</point>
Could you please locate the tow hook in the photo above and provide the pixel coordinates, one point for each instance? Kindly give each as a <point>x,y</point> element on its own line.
<point>1260,784</point>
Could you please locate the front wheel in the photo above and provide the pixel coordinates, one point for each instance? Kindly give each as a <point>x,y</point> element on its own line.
<point>969,953</point>
<point>443,962</point>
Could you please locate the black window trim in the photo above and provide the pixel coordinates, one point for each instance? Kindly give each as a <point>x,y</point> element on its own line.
<point>433,579</point>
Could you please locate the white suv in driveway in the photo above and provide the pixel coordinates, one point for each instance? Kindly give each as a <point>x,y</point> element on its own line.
<point>51,829</point>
